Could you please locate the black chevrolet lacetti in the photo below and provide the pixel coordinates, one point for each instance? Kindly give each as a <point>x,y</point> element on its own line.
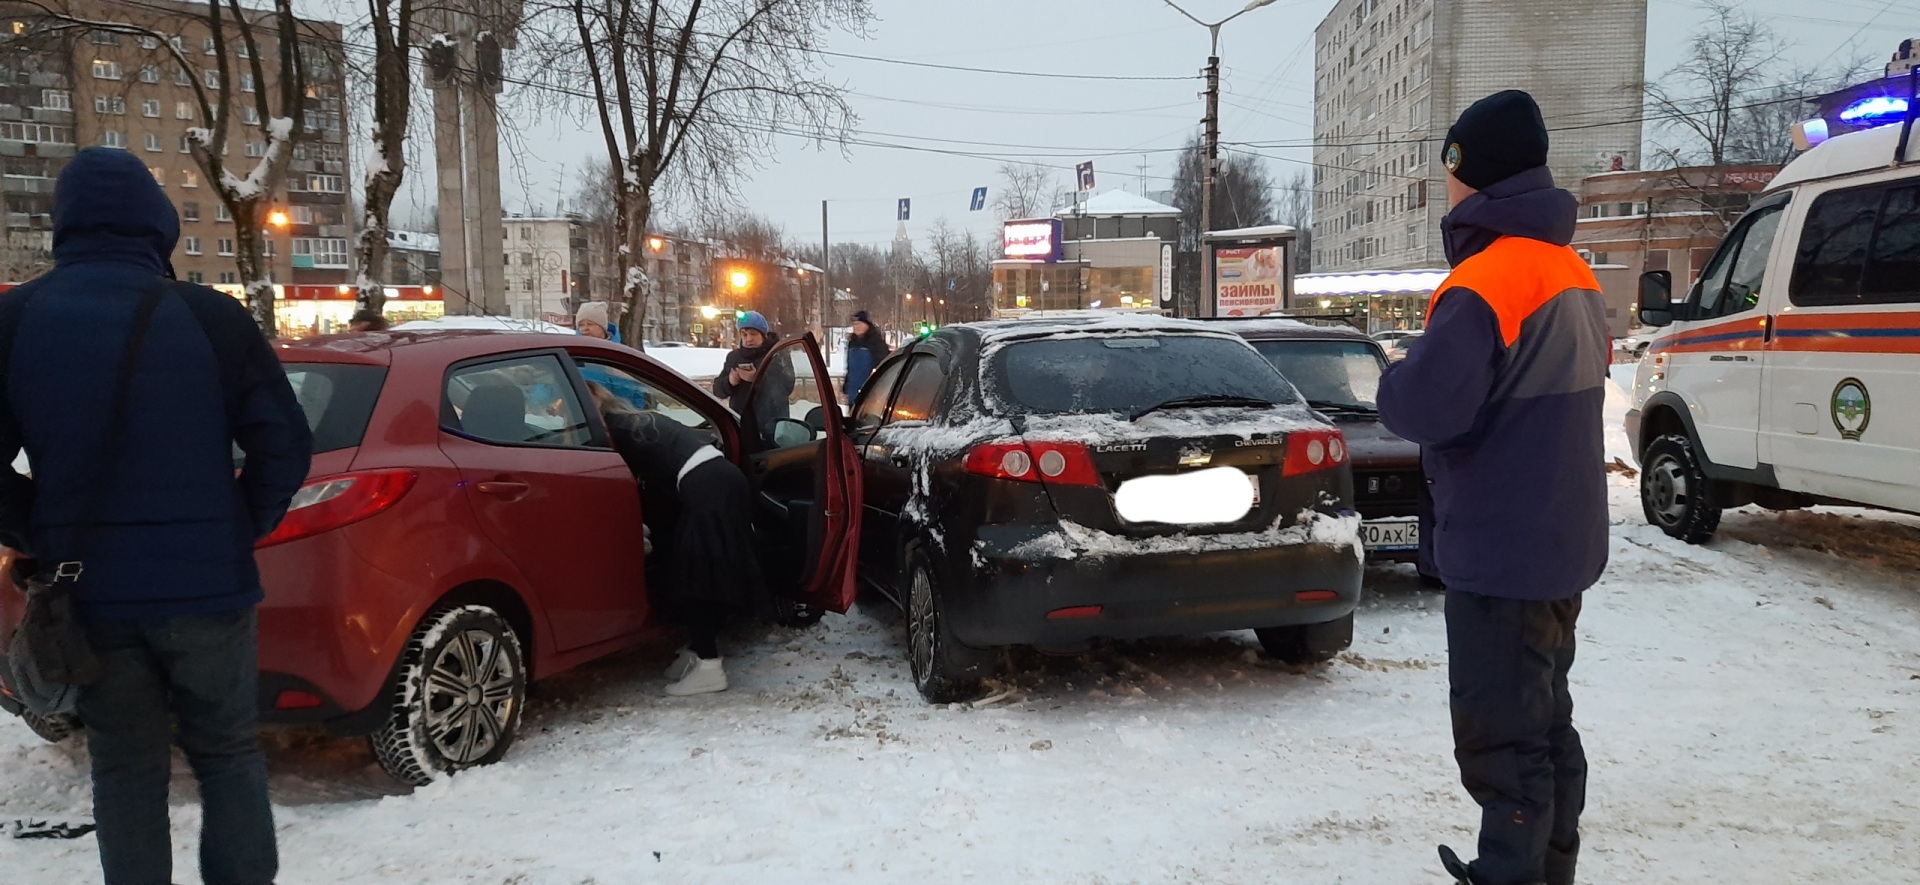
<point>1044,482</point>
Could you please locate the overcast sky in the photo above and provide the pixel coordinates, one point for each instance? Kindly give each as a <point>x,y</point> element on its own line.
<point>923,114</point>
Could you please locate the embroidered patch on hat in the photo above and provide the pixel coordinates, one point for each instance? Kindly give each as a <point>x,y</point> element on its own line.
<point>1453,157</point>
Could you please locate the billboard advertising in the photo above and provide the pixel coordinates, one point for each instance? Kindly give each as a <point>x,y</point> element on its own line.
<point>1031,240</point>
<point>1249,281</point>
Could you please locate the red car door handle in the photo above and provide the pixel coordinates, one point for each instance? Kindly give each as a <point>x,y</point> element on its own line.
<point>503,489</point>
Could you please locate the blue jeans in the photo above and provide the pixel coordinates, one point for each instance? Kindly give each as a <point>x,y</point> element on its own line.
<point>202,672</point>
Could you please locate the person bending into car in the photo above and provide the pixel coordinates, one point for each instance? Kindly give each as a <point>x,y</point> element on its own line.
<point>740,382</point>
<point>716,569</point>
<point>1504,393</point>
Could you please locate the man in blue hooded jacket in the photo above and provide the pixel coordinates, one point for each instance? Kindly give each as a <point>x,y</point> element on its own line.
<point>169,583</point>
<point>1504,395</point>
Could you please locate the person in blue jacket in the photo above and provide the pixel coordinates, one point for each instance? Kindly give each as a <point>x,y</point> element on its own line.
<point>1504,395</point>
<point>169,585</point>
<point>866,348</point>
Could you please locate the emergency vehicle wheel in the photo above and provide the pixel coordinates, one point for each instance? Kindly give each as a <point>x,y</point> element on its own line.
<point>1675,493</point>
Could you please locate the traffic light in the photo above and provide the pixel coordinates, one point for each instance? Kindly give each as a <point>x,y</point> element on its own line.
<point>924,329</point>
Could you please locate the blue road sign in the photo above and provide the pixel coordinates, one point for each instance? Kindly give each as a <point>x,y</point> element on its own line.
<point>1085,173</point>
<point>979,200</point>
<point>906,208</point>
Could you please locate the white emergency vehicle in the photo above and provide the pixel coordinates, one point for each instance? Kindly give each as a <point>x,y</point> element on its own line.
<point>1789,375</point>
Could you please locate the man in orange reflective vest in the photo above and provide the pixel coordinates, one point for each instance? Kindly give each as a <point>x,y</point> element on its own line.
<point>1504,394</point>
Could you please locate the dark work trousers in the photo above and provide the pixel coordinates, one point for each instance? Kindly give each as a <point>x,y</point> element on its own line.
<point>202,673</point>
<point>1513,733</point>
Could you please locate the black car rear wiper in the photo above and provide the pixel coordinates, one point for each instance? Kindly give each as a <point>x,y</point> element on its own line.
<point>1323,405</point>
<point>1205,401</point>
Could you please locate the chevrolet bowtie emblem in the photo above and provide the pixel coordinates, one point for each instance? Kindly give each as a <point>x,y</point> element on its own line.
<point>1195,458</point>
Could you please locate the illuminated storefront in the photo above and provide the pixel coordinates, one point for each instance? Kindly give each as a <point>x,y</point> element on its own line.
<point>307,311</point>
<point>1378,302</point>
<point>1114,252</point>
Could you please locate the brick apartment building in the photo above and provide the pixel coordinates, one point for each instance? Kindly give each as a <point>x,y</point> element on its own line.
<point>1391,75</point>
<point>63,88</point>
<point>1668,219</point>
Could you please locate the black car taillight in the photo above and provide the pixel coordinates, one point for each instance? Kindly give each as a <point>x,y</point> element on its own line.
<point>1313,450</point>
<point>1054,463</point>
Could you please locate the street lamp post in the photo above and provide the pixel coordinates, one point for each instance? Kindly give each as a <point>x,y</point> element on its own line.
<point>1212,163</point>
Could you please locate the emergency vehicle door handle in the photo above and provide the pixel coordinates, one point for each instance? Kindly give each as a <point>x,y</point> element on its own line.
<point>1720,358</point>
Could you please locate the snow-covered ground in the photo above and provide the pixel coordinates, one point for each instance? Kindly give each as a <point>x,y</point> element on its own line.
<point>1751,710</point>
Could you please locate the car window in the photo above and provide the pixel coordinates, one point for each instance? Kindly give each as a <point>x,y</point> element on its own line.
<point>1329,373</point>
<point>1892,274</point>
<point>1740,287</point>
<point>337,399</point>
<point>872,408</point>
<point>1126,373</point>
<point>527,399</point>
<point>918,390</point>
<point>642,395</point>
<point>1833,248</point>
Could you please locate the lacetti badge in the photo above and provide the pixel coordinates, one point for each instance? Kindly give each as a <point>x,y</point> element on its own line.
<point>1852,408</point>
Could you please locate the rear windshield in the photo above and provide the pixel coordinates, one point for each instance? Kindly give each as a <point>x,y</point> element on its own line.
<point>1329,373</point>
<point>1128,373</point>
<point>338,400</point>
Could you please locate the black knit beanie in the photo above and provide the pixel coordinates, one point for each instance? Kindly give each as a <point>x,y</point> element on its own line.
<point>1499,137</point>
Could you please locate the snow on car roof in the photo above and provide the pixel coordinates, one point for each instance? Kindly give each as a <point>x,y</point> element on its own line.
<point>1090,322</point>
<point>1869,150</point>
<point>482,324</point>
<point>1285,327</point>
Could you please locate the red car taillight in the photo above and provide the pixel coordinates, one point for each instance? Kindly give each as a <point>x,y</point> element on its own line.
<point>1311,450</point>
<point>323,505</point>
<point>1055,463</point>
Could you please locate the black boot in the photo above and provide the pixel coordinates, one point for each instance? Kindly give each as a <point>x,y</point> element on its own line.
<point>1463,874</point>
<point>1560,863</point>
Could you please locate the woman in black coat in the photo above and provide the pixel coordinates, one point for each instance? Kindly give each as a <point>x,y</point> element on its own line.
<point>717,572</point>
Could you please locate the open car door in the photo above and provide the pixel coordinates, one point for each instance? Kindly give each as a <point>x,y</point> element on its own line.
<point>806,478</point>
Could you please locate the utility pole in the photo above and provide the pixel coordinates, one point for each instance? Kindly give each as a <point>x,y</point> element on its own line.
<point>1212,160</point>
<point>1212,166</point>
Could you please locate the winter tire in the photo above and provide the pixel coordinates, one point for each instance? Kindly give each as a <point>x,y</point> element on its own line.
<point>1308,643</point>
<point>463,683</point>
<point>52,729</point>
<point>938,670</point>
<point>1675,493</point>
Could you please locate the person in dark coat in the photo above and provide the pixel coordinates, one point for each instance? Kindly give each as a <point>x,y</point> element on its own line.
<point>169,585</point>
<point>1505,393</point>
<point>740,385</point>
<point>716,567</point>
<point>866,348</point>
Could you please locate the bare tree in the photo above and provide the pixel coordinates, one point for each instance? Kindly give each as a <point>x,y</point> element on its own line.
<point>1294,206</point>
<point>690,92</point>
<point>1242,192</point>
<point>392,74</point>
<point>217,99</point>
<point>1026,191</point>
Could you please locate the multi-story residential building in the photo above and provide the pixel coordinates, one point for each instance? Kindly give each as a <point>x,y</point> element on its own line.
<point>681,279</point>
<point>549,268</point>
<point>413,258</point>
<point>1391,75</point>
<point>62,88</point>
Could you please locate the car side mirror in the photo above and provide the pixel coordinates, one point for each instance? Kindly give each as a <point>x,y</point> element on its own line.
<point>788,433</point>
<point>817,419</point>
<point>1656,298</point>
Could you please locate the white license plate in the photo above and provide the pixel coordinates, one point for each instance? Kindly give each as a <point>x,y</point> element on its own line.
<point>1390,535</point>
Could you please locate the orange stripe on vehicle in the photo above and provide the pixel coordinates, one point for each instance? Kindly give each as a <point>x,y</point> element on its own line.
<point>1840,322</point>
<point>1516,276</point>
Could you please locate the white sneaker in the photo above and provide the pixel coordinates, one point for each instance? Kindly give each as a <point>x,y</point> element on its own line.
<point>705,677</point>
<point>683,661</point>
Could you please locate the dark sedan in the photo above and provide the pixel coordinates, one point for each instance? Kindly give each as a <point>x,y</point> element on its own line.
<point>1337,370</point>
<point>1046,482</point>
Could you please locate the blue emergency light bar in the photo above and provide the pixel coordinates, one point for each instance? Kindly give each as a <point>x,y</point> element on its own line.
<point>1875,111</point>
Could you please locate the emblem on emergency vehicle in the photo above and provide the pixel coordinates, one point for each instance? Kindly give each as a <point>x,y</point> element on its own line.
<point>1453,158</point>
<point>1852,408</point>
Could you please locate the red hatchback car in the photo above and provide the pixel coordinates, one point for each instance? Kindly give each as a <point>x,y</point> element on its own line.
<point>467,528</point>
